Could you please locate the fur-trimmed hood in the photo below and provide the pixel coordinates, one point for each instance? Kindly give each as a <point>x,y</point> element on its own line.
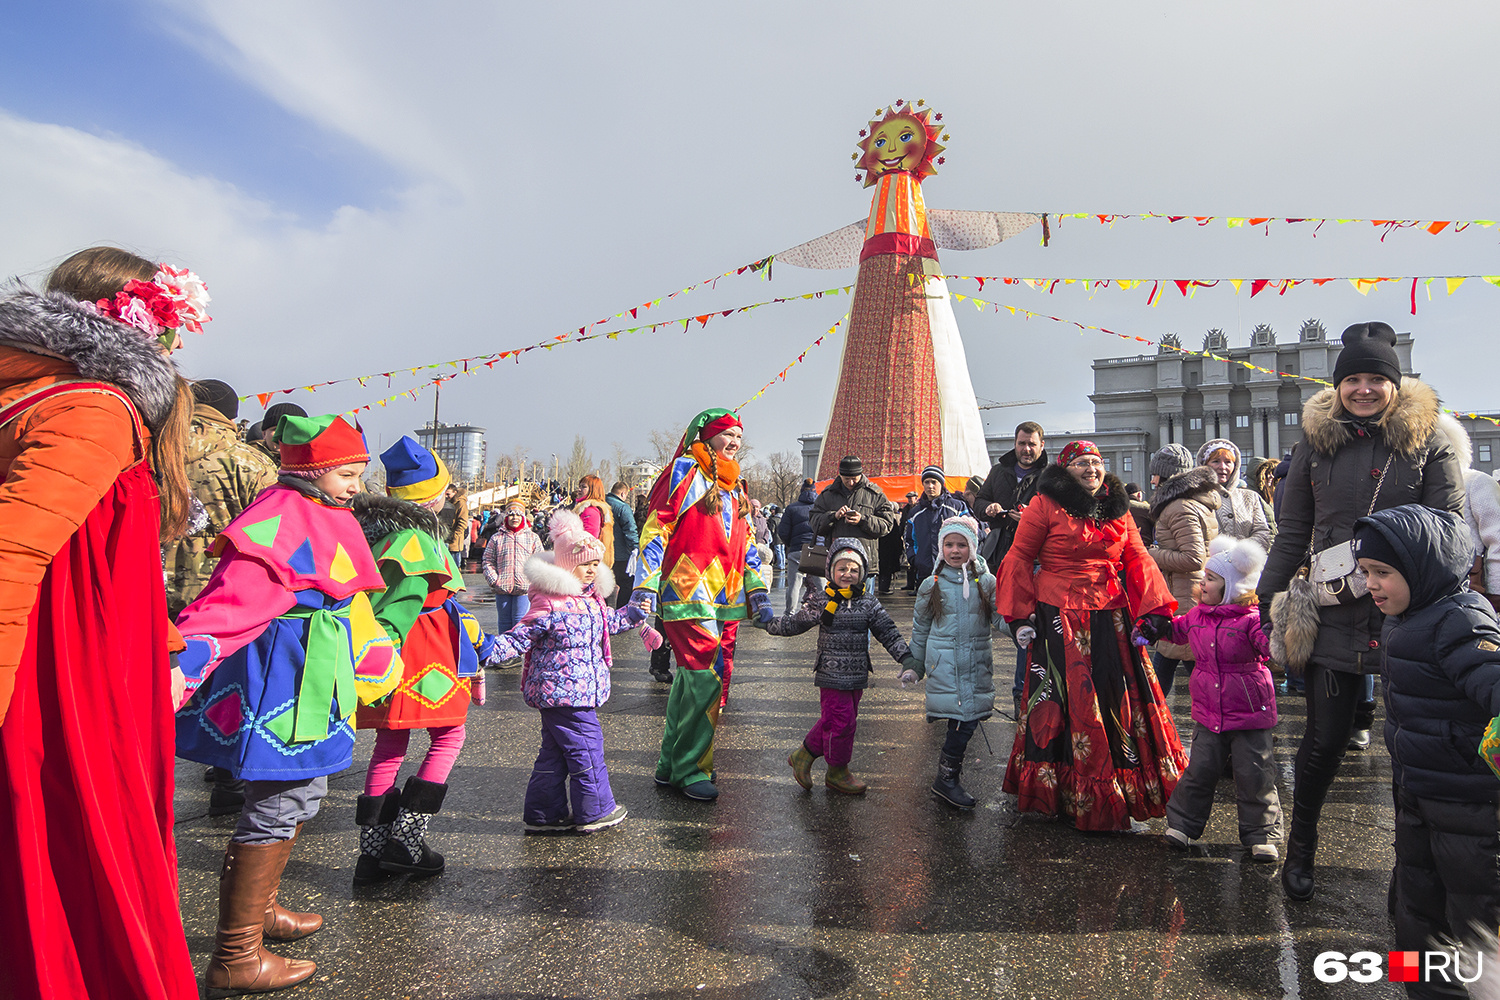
<point>1406,427</point>
<point>379,516</point>
<point>548,578</point>
<point>1200,483</point>
<point>102,350</point>
<point>1109,503</point>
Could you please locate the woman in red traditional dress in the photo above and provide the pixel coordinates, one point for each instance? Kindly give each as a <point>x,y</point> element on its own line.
<point>90,407</point>
<point>1097,743</point>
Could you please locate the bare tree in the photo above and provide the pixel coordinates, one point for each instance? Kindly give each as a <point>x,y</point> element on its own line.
<point>520,460</point>
<point>622,458</point>
<point>783,476</point>
<point>664,445</point>
<point>579,464</point>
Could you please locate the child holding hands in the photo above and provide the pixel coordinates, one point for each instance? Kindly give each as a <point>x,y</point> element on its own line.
<point>1234,702</point>
<point>950,639</point>
<point>846,614</point>
<point>565,638</point>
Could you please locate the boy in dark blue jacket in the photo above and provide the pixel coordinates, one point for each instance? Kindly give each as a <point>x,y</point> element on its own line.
<point>1441,674</point>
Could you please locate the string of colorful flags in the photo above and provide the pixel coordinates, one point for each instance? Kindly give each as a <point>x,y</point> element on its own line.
<point>1433,226</point>
<point>781,375</point>
<point>634,312</point>
<point>983,304</point>
<point>471,365</point>
<point>1187,287</point>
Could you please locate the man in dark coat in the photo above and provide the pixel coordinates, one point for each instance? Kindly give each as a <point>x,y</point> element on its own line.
<point>1441,664</point>
<point>852,507</point>
<point>1007,490</point>
<point>936,505</point>
<point>795,531</point>
<point>891,548</point>
<point>905,519</point>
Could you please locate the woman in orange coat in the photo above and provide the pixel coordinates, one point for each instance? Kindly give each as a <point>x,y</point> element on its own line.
<point>89,405</point>
<point>1097,744</point>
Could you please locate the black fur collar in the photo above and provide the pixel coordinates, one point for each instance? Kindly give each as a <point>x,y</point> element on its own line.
<point>379,516</point>
<point>1106,505</point>
<point>101,349</point>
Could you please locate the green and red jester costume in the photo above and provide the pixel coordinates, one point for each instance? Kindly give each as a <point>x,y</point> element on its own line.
<point>699,563</point>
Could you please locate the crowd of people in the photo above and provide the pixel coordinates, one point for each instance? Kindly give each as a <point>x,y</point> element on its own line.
<point>175,590</point>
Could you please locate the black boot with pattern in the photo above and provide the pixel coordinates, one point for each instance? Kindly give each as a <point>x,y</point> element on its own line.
<point>374,815</point>
<point>406,851</point>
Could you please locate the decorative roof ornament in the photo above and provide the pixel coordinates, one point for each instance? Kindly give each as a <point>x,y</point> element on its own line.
<point>1312,332</point>
<point>1262,336</point>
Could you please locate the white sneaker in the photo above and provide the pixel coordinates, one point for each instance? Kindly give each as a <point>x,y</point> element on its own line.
<point>1265,854</point>
<point>1176,839</point>
<point>1359,739</point>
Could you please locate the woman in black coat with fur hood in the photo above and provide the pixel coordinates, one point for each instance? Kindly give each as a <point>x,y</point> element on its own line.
<point>1370,442</point>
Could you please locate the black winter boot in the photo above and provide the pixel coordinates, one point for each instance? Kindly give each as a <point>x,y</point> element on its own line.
<point>946,787</point>
<point>407,850</point>
<point>374,814</point>
<point>1301,845</point>
<point>661,662</point>
<point>228,793</point>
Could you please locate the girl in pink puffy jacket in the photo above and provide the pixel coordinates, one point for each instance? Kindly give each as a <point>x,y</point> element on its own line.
<point>1234,703</point>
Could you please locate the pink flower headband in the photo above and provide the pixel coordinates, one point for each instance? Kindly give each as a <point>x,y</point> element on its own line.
<point>170,302</point>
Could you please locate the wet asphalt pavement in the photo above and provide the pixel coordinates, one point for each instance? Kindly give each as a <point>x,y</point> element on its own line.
<point>774,893</point>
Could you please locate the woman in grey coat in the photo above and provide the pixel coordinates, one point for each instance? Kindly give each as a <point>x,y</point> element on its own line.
<point>1243,513</point>
<point>1370,442</point>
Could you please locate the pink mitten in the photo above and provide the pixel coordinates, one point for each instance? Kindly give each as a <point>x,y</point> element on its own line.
<point>650,638</point>
<point>476,688</point>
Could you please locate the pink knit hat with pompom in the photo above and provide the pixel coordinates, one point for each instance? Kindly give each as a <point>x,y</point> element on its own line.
<point>572,545</point>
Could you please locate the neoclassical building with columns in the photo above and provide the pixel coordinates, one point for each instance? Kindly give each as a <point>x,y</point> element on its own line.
<point>1144,402</point>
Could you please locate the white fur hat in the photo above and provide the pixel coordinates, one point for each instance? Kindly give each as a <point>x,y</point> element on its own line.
<point>1239,561</point>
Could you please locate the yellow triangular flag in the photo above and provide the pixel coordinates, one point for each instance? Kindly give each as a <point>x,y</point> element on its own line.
<point>1453,284</point>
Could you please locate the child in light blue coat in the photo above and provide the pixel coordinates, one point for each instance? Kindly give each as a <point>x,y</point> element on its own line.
<point>951,640</point>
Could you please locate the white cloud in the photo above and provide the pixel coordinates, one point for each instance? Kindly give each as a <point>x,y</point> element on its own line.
<point>565,162</point>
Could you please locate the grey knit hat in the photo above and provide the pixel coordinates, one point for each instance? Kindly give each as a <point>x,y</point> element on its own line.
<point>1169,461</point>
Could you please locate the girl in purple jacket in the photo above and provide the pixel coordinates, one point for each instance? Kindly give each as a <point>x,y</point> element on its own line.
<point>565,638</point>
<point>1234,703</point>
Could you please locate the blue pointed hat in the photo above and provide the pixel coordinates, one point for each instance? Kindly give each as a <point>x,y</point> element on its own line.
<point>412,472</point>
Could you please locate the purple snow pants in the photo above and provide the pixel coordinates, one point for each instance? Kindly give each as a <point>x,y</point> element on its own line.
<point>572,748</point>
<point>832,738</point>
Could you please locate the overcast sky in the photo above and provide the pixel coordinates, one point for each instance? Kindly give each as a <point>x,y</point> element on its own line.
<point>368,185</point>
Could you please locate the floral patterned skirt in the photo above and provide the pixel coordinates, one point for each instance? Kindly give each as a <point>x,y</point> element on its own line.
<point>1097,743</point>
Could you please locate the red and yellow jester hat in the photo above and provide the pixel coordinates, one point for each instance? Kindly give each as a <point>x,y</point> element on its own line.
<point>312,443</point>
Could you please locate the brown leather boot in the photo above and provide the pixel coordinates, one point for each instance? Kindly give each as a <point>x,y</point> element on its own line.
<point>288,925</point>
<point>239,964</point>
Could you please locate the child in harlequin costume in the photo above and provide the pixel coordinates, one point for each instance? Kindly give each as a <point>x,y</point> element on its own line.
<point>699,562</point>
<point>565,638</point>
<point>441,648</point>
<point>281,644</point>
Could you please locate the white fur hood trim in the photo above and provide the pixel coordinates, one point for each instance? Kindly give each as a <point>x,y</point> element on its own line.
<point>545,577</point>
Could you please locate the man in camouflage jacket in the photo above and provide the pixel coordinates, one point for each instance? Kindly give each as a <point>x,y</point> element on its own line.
<point>225,473</point>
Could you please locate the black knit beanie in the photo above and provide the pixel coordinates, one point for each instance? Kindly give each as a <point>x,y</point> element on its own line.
<point>275,412</point>
<point>850,465</point>
<point>1369,348</point>
<point>212,392</point>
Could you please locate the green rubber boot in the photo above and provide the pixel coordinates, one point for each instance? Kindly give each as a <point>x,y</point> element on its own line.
<point>801,762</point>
